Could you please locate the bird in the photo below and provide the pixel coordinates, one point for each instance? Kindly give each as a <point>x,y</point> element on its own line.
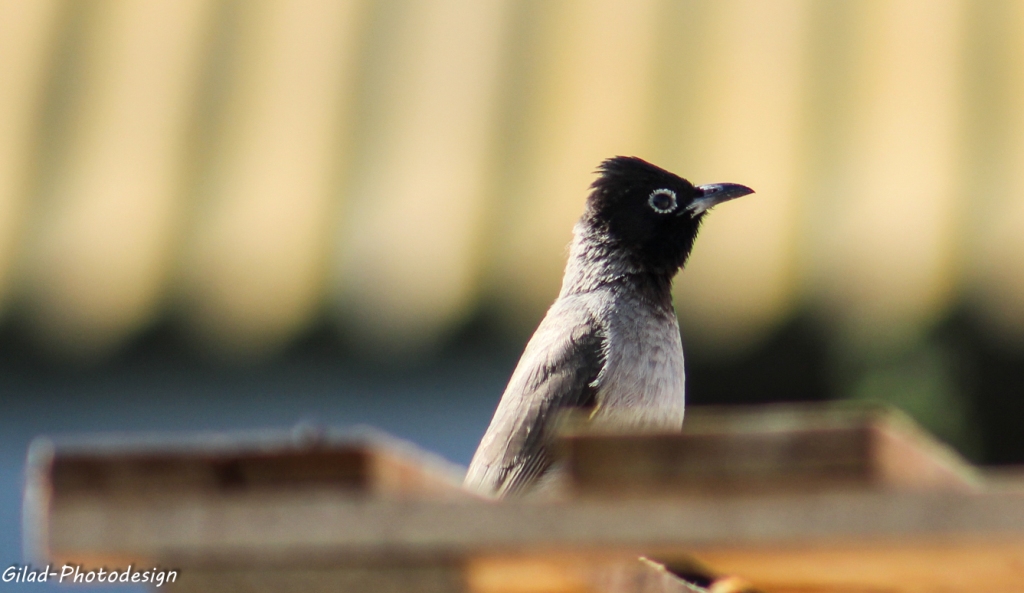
<point>610,343</point>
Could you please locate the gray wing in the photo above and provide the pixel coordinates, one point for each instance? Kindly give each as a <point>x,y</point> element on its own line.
<point>557,371</point>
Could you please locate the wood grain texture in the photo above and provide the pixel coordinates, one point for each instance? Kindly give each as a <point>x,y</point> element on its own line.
<point>847,502</point>
<point>761,450</point>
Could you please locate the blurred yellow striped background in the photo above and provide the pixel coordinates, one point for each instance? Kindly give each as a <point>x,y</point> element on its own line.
<point>251,167</point>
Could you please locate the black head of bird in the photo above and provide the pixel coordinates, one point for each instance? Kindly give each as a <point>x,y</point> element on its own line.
<point>649,215</point>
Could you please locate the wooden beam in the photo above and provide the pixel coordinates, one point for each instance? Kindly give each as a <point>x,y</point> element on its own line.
<point>792,499</point>
<point>288,527</point>
<point>784,448</point>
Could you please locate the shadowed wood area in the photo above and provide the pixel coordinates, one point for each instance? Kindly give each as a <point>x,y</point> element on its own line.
<point>790,499</point>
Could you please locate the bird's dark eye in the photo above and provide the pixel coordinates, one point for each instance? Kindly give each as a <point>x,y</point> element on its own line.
<point>662,201</point>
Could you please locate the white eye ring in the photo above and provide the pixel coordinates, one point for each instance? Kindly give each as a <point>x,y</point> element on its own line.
<point>662,192</point>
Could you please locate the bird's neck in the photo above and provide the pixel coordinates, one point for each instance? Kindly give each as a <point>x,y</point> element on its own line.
<point>597,262</point>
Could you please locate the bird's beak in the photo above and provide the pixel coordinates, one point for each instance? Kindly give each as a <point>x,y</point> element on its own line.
<point>716,193</point>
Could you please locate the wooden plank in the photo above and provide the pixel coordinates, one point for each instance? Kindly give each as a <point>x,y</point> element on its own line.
<point>595,573</point>
<point>762,450</point>
<point>285,528</point>
<point>121,472</point>
<point>363,461</point>
<point>879,507</point>
<point>990,564</point>
<point>518,574</point>
<point>431,577</point>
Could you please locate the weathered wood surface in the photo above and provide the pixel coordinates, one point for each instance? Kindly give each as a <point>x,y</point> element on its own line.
<point>791,499</point>
<point>114,474</point>
<point>766,449</point>
<point>288,528</point>
<point>360,462</point>
<point>915,565</point>
<point>519,574</point>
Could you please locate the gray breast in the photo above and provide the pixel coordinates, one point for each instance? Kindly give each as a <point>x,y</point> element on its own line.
<point>644,372</point>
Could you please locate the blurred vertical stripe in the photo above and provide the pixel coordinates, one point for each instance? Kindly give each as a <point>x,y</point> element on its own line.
<point>750,93</point>
<point>98,260</point>
<point>410,251</point>
<point>27,38</point>
<point>891,231</point>
<point>393,166</point>
<point>255,264</point>
<point>994,198</point>
<point>586,89</point>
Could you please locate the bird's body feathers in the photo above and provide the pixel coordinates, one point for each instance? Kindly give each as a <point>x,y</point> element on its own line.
<point>610,343</point>
<point>582,357</point>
